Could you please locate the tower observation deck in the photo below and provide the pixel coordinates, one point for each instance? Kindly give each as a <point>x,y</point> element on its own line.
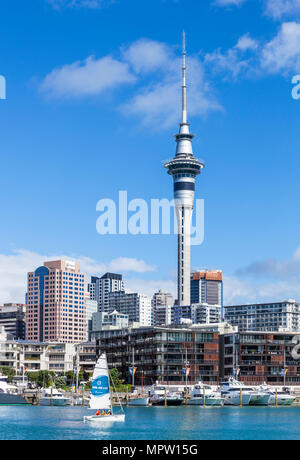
<point>184,168</point>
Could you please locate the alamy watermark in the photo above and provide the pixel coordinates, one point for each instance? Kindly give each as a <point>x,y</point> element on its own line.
<point>296,88</point>
<point>138,217</point>
<point>2,87</point>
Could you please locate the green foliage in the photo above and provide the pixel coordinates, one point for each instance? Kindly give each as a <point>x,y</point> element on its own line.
<point>60,382</point>
<point>42,379</point>
<point>9,372</point>
<point>116,382</point>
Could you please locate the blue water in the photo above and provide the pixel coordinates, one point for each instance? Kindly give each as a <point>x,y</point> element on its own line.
<point>152,423</point>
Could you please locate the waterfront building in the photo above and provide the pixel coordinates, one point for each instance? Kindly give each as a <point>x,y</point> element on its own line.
<point>55,308</point>
<point>35,356</point>
<point>12,318</point>
<point>161,353</point>
<point>207,287</point>
<point>162,304</point>
<point>261,357</point>
<point>100,288</point>
<point>86,356</point>
<point>184,168</point>
<point>265,317</point>
<point>137,306</point>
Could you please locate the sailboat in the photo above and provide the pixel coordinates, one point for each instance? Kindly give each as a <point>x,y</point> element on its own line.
<point>100,399</point>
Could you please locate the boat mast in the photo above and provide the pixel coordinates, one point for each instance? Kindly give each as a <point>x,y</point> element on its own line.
<point>109,387</point>
<point>132,365</point>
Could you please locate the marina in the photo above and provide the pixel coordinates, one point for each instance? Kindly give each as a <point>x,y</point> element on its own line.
<point>154,423</point>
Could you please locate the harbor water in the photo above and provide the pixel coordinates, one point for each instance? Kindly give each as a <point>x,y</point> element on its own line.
<point>152,423</point>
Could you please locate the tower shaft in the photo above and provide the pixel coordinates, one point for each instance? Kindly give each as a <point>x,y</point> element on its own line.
<point>184,169</point>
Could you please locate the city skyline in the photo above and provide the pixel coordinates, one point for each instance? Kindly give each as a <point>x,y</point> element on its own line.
<point>241,109</point>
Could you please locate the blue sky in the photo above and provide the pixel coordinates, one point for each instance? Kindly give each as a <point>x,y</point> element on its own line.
<point>92,105</point>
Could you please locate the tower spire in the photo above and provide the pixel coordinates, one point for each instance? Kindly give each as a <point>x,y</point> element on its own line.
<point>184,105</point>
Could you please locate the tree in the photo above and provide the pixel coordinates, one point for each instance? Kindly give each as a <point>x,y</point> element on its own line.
<point>116,382</point>
<point>9,372</point>
<point>60,382</point>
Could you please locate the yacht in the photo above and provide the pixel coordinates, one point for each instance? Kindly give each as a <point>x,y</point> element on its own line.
<point>283,397</point>
<point>237,393</point>
<point>205,395</point>
<point>159,396</point>
<point>139,400</point>
<point>9,394</point>
<point>53,397</point>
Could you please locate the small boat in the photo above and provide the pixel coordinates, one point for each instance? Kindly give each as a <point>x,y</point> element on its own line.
<point>205,395</point>
<point>159,396</point>
<point>53,397</point>
<point>139,401</point>
<point>9,394</point>
<point>100,399</point>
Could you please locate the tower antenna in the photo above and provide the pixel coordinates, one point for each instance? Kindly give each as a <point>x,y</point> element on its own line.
<point>184,105</point>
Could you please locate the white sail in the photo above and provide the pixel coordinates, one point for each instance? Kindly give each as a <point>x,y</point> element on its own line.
<point>100,391</point>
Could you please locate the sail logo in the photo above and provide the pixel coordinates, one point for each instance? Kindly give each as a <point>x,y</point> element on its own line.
<point>100,386</point>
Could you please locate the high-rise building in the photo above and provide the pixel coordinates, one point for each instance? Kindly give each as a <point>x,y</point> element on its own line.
<point>91,308</point>
<point>55,309</point>
<point>184,168</point>
<point>12,318</point>
<point>265,317</point>
<point>137,306</point>
<point>100,288</point>
<point>162,303</point>
<point>207,287</point>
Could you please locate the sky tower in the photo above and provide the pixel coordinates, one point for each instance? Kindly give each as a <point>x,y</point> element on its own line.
<point>184,168</point>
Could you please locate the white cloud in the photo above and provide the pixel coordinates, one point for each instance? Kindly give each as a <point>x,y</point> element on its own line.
<point>273,268</point>
<point>87,78</point>
<point>234,61</point>
<point>280,8</point>
<point>282,53</point>
<point>149,287</point>
<point>155,69</point>
<point>246,43</point>
<point>237,291</point>
<point>268,280</point>
<point>158,102</point>
<point>91,4</point>
<point>147,55</point>
<point>14,268</point>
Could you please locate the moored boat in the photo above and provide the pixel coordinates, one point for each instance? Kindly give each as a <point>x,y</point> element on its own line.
<point>279,398</point>
<point>204,395</point>
<point>53,397</point>
<point>9,394</point>
<point>160,396</point>
<point>139,401</point>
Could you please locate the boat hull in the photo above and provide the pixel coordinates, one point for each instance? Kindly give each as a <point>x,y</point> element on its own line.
<point>170,402</point>
<point>138,402</point>
<point>281,400</point>
<point>55,402</point>
<point>208,401</point>
<point>7,399</point>
<point>260,400</point>
<point>105,418</point>
<point>235,400</point>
